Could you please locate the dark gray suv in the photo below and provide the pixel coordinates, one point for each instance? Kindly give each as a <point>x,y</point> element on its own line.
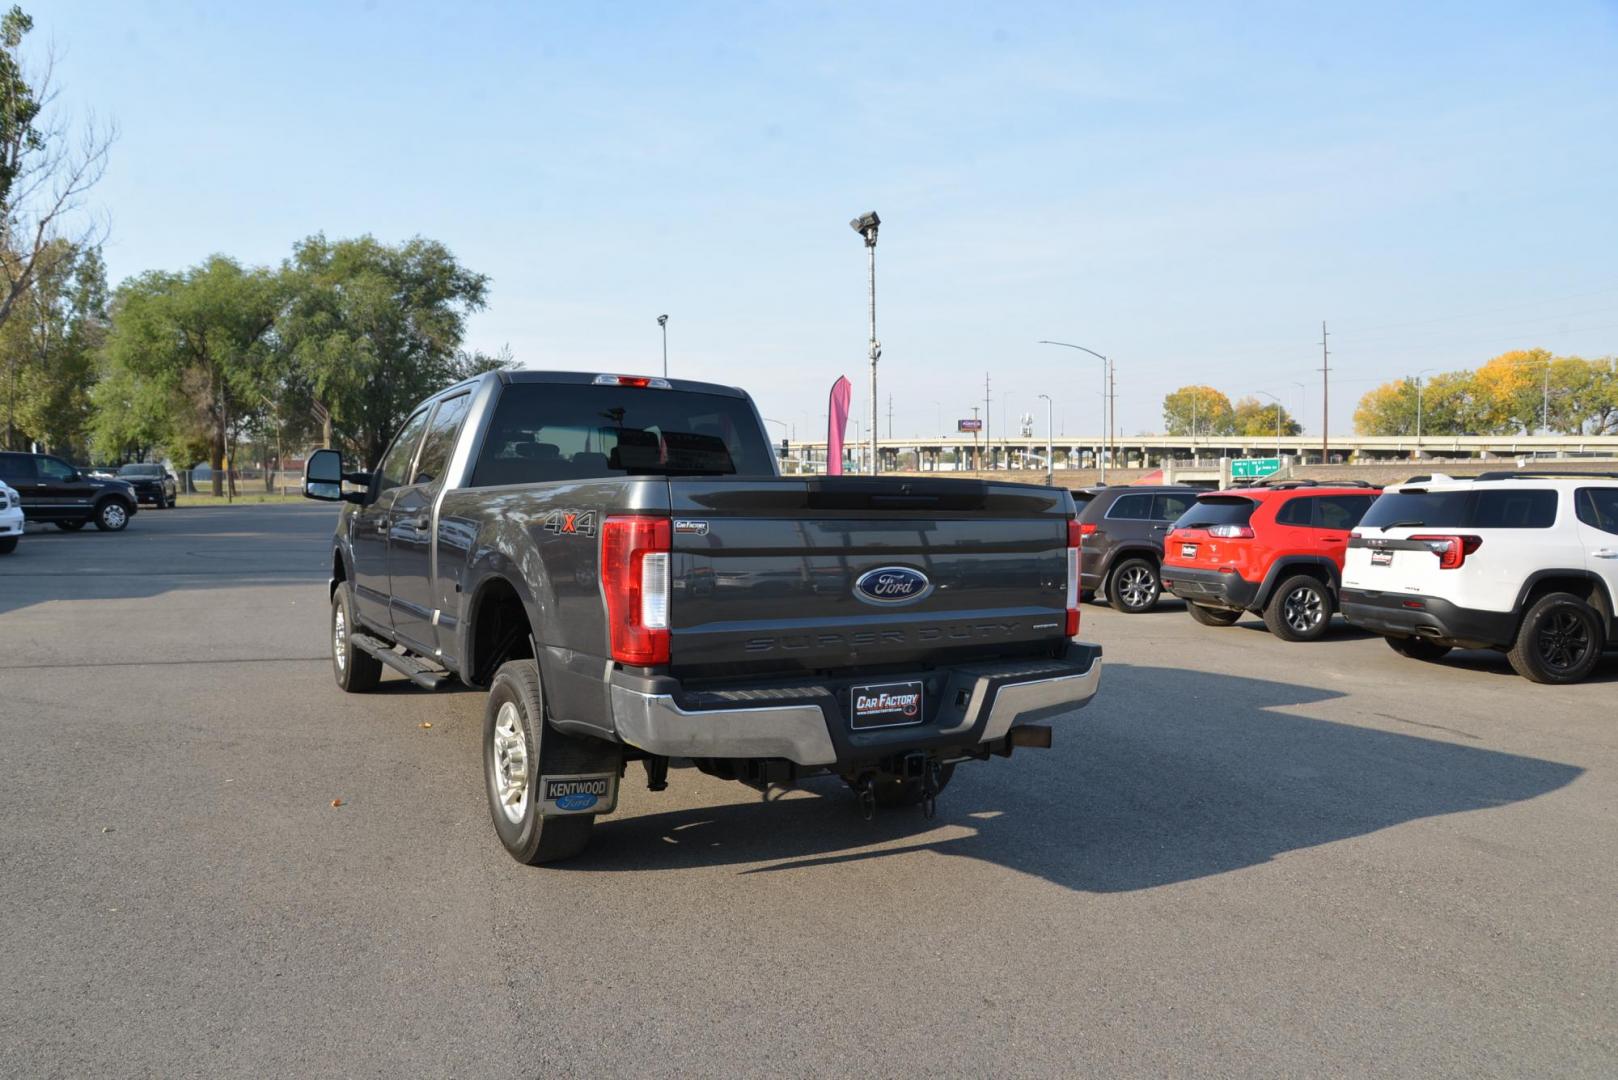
<point>1122,530</point>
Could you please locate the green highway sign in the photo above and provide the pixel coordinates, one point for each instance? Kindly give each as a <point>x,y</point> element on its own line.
<point>1251,468</point>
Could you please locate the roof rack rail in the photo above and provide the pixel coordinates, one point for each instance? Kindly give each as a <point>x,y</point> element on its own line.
<point>1545,474</point>
<point>1285,484</point>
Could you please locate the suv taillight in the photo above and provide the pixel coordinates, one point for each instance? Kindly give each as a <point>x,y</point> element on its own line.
<point>1075,536</point>
<point>1451,550</point>
<point>635,581</point>
<point>1087,528</point>
<point>1231,532</point>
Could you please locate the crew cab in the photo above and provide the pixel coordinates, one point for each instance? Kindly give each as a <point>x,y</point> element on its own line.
<point>63,494</point>
<point>616,559</point>
<point>1274,549</point>
<point>1522,562</point>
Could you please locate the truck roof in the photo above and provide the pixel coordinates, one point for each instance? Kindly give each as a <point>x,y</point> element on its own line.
<point>589,377</point>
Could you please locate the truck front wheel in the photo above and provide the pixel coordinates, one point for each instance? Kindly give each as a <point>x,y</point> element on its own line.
<point>519,748</point>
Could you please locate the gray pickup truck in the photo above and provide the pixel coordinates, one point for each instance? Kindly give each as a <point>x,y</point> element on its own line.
<point>618,560</point>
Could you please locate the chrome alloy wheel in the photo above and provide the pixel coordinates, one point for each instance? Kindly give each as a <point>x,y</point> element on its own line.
<point>1138,587</point>
<point>1303,609</point>
<point>511,763</point>
<point>114,516</point>
<point>339,638</point>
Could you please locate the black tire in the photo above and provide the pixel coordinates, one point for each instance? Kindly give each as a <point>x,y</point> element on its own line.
<point>71,526</point>
<point>356,671</point>
<point>1212,616</point>
<point>1560,640</point>
<point>896,792</point>
<point>8,545</point>
<point>529,836</point>
<point>1300,609</point>
<point>1087,596</point>
<point>1133,587</point>
<point>112,515</point>
<point>1419,648</point>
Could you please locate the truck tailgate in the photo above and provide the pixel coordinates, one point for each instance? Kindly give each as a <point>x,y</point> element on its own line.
<point>767,573</point>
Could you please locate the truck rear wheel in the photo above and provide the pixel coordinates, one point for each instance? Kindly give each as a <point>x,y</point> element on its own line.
<point>1212,616</point>
<point>519,747</point>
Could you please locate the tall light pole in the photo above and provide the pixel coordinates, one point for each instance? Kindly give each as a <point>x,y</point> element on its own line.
<point>663,321</point>
<point>1277,401</point>
<point>866,226</point>
<point>1419,374</point>
<point>1050,459</point>
<point>1106,383</point>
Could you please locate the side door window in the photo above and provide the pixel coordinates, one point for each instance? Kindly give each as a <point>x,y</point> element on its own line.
<point>395,468</point>
<point>440,440</point>
<point>1598,508</point>
<point>1340,513</point>
<point>1136,507</point>
<point>1297,512</point>
<point>1169,506</point>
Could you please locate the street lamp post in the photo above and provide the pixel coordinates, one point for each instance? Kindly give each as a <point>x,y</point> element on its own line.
<point>1419,387</point>
<point>663,321</point>
<point>1106,381</point>
<point>1050,459</point>
<point>866,226</point>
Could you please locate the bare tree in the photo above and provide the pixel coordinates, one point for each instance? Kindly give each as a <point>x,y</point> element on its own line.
<point>48,165</point>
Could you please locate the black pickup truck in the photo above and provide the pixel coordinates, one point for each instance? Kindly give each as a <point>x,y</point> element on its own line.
<point>618,560</point>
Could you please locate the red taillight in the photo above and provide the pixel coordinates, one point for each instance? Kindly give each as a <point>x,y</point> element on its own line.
<point>1231,532</point>
<point>1086,528</point>
<point>1451,550</point>
<point>1075,536</point>
<point>635,581</point>
<point>640,382</point>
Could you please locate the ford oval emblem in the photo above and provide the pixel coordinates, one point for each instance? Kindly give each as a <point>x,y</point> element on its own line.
<point>892,585</point>
<point>578,800</point>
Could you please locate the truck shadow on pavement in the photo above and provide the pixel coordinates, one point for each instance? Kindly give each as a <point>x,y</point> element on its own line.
<point>1171,776</point>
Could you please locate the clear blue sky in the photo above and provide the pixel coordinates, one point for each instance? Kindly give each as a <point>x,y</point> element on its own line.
<point>1190,189</point>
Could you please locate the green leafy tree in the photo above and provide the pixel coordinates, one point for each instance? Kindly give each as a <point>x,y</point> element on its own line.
<point>373,328</point>
<point>1202,406</point>
<point>198,342</point>
<point>1255,417</point>
<point>48,351</point>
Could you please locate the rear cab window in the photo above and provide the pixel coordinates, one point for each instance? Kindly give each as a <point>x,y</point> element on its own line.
<point>566,431</point>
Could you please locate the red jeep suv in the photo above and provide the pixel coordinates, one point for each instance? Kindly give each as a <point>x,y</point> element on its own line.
<point>1275,550</point>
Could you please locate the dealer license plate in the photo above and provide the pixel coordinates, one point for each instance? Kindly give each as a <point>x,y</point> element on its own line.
<point>1381,558</point>
<point>1188,551</point>
<point>885,705</point>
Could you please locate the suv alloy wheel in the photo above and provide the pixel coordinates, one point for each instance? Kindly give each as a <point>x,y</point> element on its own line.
<point>1560,640</point>
<point>1300,609</point>
<point>1133,587</point>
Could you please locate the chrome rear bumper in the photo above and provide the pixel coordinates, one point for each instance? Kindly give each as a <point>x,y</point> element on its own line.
<point>802,731</point>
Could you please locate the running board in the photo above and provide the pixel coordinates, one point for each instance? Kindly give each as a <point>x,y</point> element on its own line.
<point>406,665</point>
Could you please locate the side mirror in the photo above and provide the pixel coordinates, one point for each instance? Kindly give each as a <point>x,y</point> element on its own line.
<point>323,476</point>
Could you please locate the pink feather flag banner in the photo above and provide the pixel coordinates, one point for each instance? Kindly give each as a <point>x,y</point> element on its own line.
<point>837,424</point>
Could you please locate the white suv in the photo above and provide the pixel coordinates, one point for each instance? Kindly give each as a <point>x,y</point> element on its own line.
<point>1522,562</point>
<point>10,519</point>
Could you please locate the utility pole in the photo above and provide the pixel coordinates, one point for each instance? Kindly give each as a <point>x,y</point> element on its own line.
<point>988,421</point>
<point>1325,396</point>
<point>976,460</point>
<point>890,416</point>
<point>1112,411</point>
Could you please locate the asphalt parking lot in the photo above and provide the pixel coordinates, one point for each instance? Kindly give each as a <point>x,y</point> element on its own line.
<point>1247,858</point>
